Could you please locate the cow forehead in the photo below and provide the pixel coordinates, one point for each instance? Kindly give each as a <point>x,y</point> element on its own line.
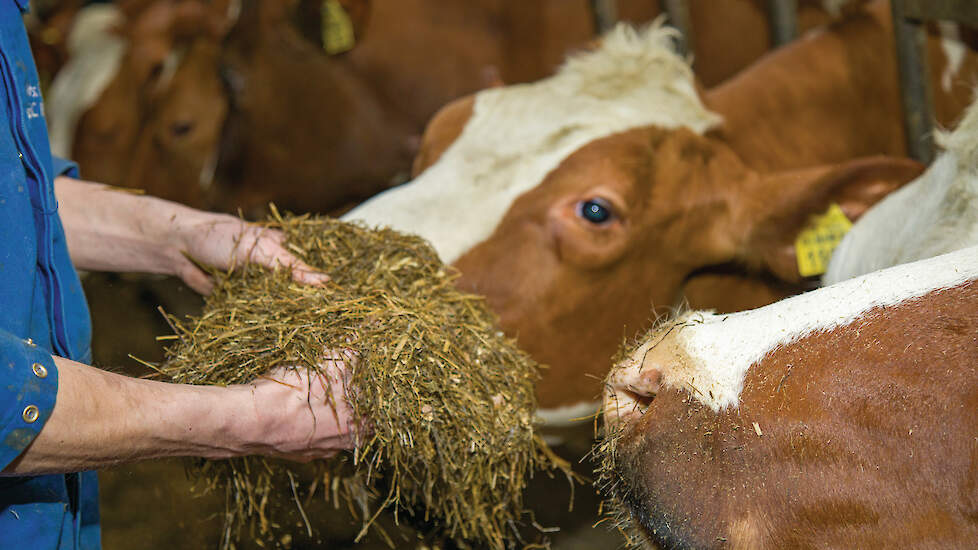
<point>709,355</point>
<point>518,134</point>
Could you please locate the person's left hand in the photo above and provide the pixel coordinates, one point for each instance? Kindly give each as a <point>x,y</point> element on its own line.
<point>224,241</point>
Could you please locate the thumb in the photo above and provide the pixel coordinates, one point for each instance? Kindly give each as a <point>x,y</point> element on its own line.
<point>196,279</point>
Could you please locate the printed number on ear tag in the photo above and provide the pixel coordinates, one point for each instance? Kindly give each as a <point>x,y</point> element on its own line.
<point>338,36</point>
<point>815,243</point>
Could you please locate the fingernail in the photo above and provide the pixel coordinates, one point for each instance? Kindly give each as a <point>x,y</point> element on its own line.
<point>313,278</point>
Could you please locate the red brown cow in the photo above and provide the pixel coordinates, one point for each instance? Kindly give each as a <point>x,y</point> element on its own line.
<point>838,418</point>
<point>577,203</point>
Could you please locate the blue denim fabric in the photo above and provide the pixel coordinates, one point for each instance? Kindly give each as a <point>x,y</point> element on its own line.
<point>42,310</point>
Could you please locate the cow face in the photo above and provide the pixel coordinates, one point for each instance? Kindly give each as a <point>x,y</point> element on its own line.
<point>183,131</point>
<point>808,422</point>
<point>157,123</point>
<point>578,262</point>
<point>612,234</point>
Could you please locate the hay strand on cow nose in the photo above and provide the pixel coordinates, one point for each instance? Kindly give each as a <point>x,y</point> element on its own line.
<point>448,398</point>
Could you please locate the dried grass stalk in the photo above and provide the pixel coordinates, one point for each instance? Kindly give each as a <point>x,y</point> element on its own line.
<point>449,398</point>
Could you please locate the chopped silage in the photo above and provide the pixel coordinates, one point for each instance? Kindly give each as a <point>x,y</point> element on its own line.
<point>448,398</point>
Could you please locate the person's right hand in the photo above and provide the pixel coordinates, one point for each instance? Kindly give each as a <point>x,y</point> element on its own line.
<point>295,414</point>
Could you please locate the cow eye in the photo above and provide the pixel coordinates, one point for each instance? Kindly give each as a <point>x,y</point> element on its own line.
<point>595,210</point>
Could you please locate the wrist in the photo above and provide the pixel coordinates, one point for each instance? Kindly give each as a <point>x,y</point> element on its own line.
<point>241,429</point>
<point>214,425</point>
<point>176,232</point>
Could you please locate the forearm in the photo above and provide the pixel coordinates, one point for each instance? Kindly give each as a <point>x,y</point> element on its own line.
<point>101,419</point>
<point>113,230</point>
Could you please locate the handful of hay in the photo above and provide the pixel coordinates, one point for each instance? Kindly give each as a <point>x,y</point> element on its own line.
<point>448,397</point>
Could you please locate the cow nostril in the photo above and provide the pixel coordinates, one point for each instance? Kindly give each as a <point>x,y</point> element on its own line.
<point>180,129</point>
<point>624,404</point>
<point>639,400</point>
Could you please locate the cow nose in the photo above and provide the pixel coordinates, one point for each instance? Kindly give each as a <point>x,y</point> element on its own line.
<point>630,390</point>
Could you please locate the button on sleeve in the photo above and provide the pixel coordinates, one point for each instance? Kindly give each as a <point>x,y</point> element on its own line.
<point>28,388</point>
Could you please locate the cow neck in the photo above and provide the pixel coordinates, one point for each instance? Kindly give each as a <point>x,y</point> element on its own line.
<point>828,97</point>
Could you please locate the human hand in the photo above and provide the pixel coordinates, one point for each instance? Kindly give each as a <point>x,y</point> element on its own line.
<point>296,414</point>
<point>224,241</point>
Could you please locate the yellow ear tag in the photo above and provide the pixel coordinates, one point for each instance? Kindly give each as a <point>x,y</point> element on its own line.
<point>338,34</point>
<point>815,243</point>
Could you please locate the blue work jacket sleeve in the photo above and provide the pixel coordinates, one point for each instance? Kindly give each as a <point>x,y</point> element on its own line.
<point>63,167</point>
<point>28,388</point>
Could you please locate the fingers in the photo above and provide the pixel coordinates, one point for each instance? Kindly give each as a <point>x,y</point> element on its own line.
<point>337,369</point>
<point>302,273</point>
<point>267,249</point>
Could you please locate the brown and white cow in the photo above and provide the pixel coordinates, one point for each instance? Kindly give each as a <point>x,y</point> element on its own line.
<point>577,203</point>
<point>843,417</point>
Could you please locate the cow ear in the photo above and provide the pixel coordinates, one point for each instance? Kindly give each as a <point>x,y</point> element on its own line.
<point>788,200</point>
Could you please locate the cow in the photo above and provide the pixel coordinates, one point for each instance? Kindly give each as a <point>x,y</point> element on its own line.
<point>576,203</point>
<point>842,417</point>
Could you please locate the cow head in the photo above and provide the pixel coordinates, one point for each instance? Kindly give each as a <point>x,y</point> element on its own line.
<point>574,207</point>
<point>182,132</point>
<point>803,423</point>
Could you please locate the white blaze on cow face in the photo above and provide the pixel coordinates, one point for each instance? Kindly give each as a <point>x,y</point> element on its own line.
<point>954,50</point>
<point>936,214</point>
<point>518,134</point>
<point>709,355</point>
<point>95,54</point>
